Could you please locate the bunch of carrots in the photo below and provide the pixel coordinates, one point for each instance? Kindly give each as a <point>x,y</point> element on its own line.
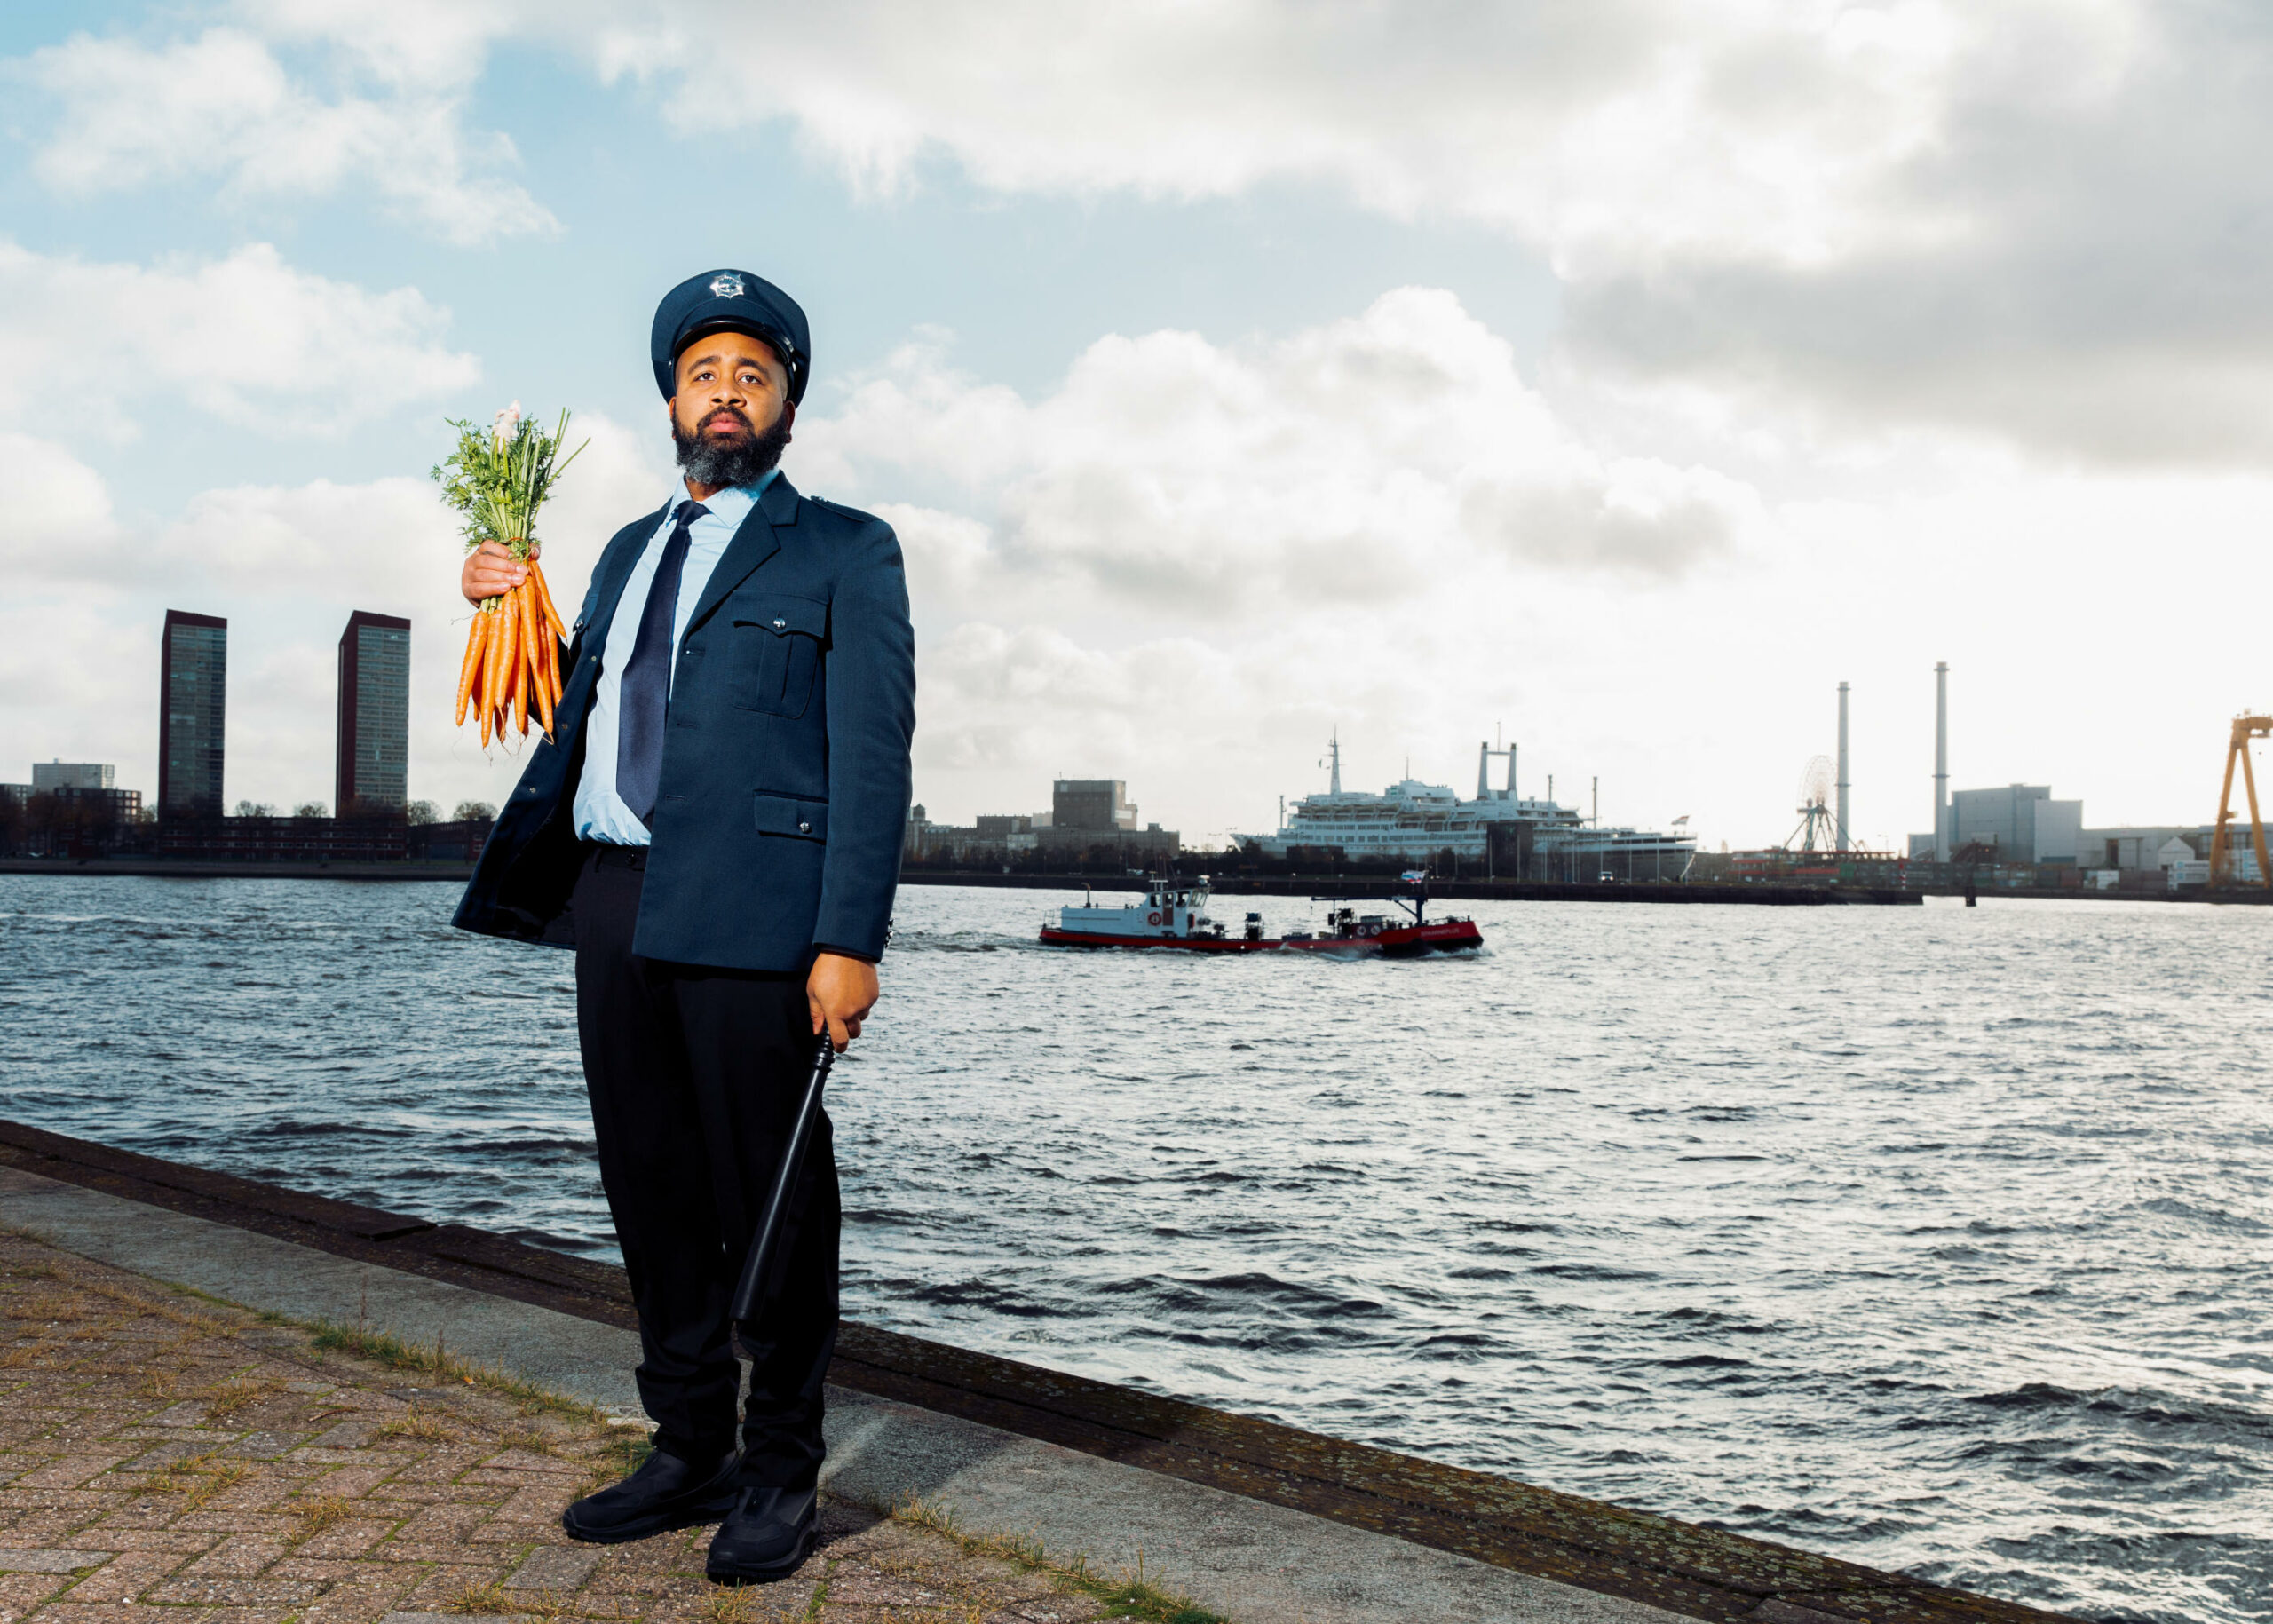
<point>512,655</point>
<point>498,477</point>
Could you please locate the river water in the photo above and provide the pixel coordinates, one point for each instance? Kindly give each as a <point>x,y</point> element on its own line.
<point>1937,1238</point>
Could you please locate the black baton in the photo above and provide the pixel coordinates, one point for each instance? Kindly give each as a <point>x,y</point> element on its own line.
<point>760,1261</point>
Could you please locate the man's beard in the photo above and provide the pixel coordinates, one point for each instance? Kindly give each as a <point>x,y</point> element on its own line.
<point>744,460</point>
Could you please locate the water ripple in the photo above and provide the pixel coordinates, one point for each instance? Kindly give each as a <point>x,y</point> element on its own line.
<point>1937,1238</point>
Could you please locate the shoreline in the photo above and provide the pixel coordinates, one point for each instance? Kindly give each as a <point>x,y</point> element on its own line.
<point>1132,1463</point>
<point>1644,891</point>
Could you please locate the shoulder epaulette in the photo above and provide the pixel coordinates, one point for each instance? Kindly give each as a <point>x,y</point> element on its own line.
<point>854,514</point>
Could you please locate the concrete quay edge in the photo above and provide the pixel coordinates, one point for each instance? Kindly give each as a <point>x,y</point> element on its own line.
<point>1259,1521</point>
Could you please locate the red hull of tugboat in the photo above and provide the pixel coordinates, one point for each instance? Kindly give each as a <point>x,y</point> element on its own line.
<point>1396,942</point>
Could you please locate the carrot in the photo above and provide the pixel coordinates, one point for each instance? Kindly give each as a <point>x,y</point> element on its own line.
<point>553,664</point>
<point>468,667</point>
<point>544,597</point>
<point>492,666</point>
<point>486,623</point>
<point>515,623</point>
<point>533,628</point>
<point>544,700</point>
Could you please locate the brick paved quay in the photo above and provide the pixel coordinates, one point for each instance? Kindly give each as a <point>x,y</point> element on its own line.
<point>1261,1522</point>
<point>168,1459</point>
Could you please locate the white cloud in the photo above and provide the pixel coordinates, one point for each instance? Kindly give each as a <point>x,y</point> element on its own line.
<point>222,104</point>
<point>249,338</point>
<point>1187,562</point>
<point>284,564</point>
<point>58,514</point>
<point>2030,221</point>
<point>1327,467</point>
<point>2018,219</point>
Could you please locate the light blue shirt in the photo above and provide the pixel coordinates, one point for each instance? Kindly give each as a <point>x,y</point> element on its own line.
<point>600,812</point>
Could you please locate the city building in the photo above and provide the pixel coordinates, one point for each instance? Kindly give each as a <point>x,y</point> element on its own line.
<point>2143,849</point>
<point>371,757</point>
<point>272,840</point>
<point>1090,822</point>
<point>2020,823</point>
<point>1093,806</point>
<point>74,775</point>
<point>193,699</point>
<point>68,809</point>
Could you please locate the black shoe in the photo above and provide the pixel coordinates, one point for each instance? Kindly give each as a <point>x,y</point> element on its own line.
<point>665,1493</point>
<point>766,1536</point>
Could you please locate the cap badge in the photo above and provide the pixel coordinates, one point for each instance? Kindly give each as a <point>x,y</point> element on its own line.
<point>727,285</point>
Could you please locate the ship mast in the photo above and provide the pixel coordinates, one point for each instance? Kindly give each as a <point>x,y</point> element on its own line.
<point>1334,754</point>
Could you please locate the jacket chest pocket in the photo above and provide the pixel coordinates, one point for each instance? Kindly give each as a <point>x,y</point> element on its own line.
<point>774,654</point>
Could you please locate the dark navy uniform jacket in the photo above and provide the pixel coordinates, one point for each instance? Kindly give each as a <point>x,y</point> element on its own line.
<point>785,777</point>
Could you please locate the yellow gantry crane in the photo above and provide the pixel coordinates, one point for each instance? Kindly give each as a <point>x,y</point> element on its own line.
<point>2245,728</point>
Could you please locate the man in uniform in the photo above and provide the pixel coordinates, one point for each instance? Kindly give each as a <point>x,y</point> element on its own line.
<point>715,828</point>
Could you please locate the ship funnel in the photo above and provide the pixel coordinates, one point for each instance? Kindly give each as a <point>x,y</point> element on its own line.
<point>1511,768</point>
<point>1844,843</point>
<point>1483,770</point>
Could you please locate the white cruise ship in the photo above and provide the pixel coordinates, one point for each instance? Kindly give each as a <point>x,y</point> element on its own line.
<point>1415,823</point>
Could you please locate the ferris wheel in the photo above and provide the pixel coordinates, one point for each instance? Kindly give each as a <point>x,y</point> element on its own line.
<point>1819,827</point>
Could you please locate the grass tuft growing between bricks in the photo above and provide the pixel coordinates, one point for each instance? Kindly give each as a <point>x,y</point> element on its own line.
<point>197,1478</point>
<point>225,1398</point>
<point>387,1349</point>
<point>1127,1595</point>
<point>326,1511</point>
<point>488,1597</point>
<point>623,1453</point>
<point>422,1424</point>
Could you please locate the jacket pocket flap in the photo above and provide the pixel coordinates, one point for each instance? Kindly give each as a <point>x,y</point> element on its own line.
<point>779,815</point>
<point>783,615</point>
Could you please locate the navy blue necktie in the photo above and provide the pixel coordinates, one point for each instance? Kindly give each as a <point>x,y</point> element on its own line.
<point>644,695</point>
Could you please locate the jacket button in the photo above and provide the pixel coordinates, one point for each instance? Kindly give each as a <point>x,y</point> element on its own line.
<point>804,828</point>
<point>779,622</point>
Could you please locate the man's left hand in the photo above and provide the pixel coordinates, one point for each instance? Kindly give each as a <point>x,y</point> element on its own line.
<point>840,992</point>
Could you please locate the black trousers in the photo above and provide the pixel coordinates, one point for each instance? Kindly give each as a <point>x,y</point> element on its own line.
<point>694,1075</point>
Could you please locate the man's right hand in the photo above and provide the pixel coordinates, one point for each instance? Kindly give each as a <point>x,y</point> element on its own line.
<point>491,570</point>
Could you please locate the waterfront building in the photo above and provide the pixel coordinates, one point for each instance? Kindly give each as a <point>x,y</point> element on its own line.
<point>272,840</point>
<point>2144,848</point>
<point>2021,823</point>
<point>371,758</point>
<point>75,812</point>
<point>192,697</point>
<point>1091,821</point>
<point>74,775</point>
<point>1095,805</point>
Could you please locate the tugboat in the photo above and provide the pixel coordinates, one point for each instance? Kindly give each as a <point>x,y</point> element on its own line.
<point>1174,914</point>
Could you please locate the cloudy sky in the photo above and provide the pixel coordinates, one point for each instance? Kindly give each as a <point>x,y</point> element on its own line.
<point>1619,378</point>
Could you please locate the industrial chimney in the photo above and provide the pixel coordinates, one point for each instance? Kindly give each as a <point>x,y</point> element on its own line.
<point>1845,845</point>
<point>1942,761</point>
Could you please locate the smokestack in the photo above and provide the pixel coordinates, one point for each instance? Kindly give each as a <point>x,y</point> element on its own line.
<point>1845,845</point>
<point>1484,770</point>
<point>1511,768</point>
<point>1942,761</point>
